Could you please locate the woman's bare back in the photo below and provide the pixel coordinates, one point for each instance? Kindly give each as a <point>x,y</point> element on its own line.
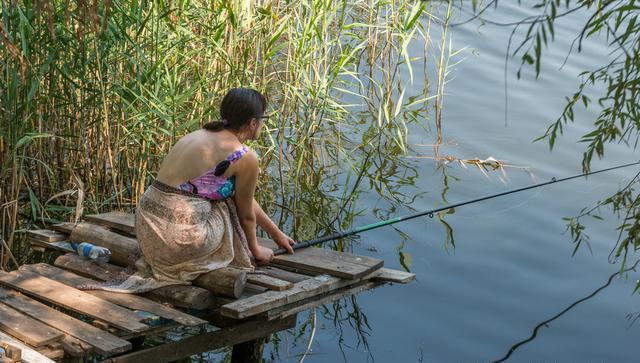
<point>196,153</point>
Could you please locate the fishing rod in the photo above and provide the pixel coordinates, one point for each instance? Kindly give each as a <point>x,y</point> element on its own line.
<point>431,212</point>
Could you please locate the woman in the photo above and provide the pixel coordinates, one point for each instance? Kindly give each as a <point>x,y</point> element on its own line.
<point>200,213</point>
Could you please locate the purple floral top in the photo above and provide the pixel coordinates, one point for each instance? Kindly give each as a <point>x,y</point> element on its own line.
<point>213,184</point>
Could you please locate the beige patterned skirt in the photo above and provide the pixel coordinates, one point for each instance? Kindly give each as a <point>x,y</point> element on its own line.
<point>182,236</point>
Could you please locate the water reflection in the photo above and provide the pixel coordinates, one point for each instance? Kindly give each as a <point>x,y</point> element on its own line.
<point>545,323</point>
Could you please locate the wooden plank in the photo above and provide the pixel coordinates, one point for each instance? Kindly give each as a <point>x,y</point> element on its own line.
<point>389,275</point>
<point>26,329</point>
<point>323,261</point>
<point>120,221</point>
<point>72,299</point>
<point>176,350</point>
<point>191,297</point>
<point>283,274</point>
<point>89,268</point>
<point>269,300</point>
<point>334,263</point>
<point>103,342</point>
<point>29,355</point>
<point>260,303</point>
<point>64,227</point>
<point>61,246</point>
<point>75,347</point>
<point>327,253</point>
<point>291,309</point>
<point>269,282</point>
<point>46,235</point>
<point>130,301</point>
<point>314,266</point>
<point>10,351</point>
<point>252,289</point>
<point>55,353</point>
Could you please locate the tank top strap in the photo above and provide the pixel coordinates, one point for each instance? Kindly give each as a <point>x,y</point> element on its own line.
<point>222,166</point>
<point>236,155</point>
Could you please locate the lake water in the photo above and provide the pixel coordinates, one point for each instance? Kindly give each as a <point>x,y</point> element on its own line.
<point>511,267</point>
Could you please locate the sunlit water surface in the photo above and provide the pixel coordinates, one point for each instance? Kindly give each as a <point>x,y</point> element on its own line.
<point>511,267</point>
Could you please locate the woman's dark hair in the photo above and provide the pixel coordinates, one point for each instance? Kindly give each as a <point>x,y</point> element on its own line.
<point>238,107</point>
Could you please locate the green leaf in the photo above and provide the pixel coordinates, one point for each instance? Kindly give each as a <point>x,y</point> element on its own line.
<point>527,58</point>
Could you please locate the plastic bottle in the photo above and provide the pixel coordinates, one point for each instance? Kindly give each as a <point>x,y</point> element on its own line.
<point>96,253</point>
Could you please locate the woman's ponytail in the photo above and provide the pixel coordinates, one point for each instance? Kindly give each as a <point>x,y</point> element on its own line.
<point>215,126</point>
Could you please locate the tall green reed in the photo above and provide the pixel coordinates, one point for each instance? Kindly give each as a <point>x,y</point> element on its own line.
<point>94,94</point>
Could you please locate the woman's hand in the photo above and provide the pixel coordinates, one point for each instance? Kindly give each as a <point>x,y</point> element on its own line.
<point>284,241</point>
<point>263,255</point>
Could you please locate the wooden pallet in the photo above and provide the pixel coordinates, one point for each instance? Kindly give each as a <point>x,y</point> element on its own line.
<point>46,312</point>
<point>53,313</point>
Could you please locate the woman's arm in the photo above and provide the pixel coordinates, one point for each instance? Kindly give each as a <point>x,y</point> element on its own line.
<point>272,229</point>
<point>246,178</point>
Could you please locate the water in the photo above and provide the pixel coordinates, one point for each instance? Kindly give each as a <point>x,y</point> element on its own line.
<point>512,267</point>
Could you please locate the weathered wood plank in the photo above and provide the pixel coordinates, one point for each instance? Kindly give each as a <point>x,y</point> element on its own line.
<point>306,289</point>
<point>191,297</point>
<point>46,235</point>
<point>333,295</point>
<point>53,352</point>
<point>271,283</point>
<point>252,289</point>
<point>64,227</point>
<point>29,355</point>
<point>10,352</point>
<point>59,246</point>
<point>311,261</point>
<point>26,329</point>
<point>121,221</point>
<point>389,275</point>
<point>283,274</point>
<point>342,256</point>
<point>75,347</point>
<point>103,342</point>
<point>130,301</point>
<point>89,268</point>
<point>260,303</point>
<point>172,351</point>
<point>322,261</point>
<point>72,299</point>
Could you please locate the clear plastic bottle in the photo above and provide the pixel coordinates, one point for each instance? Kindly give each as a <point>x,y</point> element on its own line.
<point>96,253</point>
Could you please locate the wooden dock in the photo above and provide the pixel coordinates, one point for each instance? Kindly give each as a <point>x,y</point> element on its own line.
<point>45,315</point>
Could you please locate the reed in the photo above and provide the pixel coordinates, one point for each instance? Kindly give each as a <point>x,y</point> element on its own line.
<point>95,93</point>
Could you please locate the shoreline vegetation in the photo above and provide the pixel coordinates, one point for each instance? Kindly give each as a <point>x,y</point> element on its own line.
<point>95,93</point>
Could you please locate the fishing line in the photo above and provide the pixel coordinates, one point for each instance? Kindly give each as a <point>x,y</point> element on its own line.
<point>526,201</point>
<point>503,210</point>
<point>431,213</point>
